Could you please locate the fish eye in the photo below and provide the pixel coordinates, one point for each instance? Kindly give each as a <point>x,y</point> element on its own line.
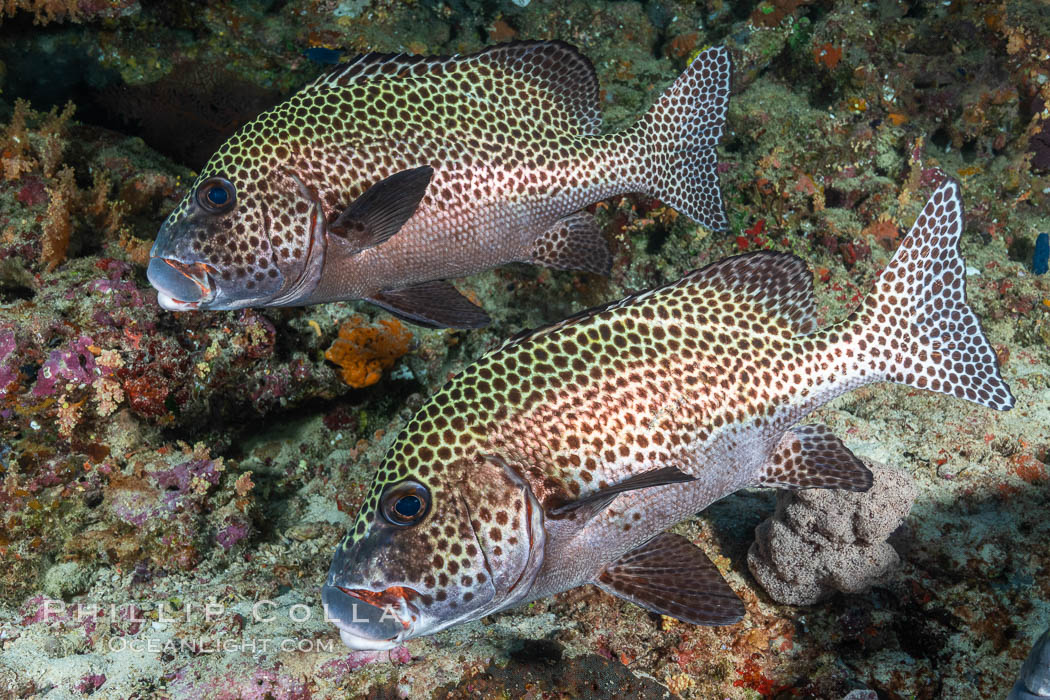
<point>216,195</point>
<point>406,503</point>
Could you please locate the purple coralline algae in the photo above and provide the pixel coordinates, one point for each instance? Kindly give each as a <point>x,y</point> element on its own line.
<point>8,373</point>
<point>75,365</point>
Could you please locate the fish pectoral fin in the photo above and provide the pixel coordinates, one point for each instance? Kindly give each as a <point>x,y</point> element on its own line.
<point>592,504</point>
<point>383,209</point>
<point>671,576</point>
<point>811,457</point>
<point>573,243</point>
<point>435,304</point>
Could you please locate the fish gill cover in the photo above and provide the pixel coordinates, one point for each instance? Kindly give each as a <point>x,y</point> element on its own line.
<point>156,463</point>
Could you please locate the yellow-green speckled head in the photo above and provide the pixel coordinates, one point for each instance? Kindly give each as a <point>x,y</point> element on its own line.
<point>446,534</point>
<point>242,235</point>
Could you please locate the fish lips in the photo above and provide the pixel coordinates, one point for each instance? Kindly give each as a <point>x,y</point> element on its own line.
<point>370,620</point>
<point>181,286</point>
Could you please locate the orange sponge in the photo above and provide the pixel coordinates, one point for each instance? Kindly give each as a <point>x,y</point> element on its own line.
<point>363,352</point>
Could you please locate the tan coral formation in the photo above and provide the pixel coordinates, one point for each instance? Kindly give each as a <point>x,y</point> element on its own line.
<point>820,541</point>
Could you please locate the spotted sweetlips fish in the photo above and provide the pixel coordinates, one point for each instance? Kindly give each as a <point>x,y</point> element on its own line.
<point>393,173</point>
<point>562,457</point>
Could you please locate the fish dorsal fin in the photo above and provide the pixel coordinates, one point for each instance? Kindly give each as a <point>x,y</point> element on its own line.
<point>775,285</point>
<point>563,82</point>
<point>811,457</point>
<point>670,575</point>
<point>372,66</point>
<point>556,68</point>
<point>538,332</point>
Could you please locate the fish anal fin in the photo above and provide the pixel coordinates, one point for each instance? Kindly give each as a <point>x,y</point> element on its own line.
<point>590,505</point>
<point>435,304</point>
<point>811,457</point>
<point>574,243</point>
<point>671,576</point>
<point>383,209</point>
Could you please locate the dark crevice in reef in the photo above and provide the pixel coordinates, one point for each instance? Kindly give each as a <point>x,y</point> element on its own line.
<point>16,283</point>
<point>540,667</point>
<point>222,424</point>
<point>1021,249</point>
<point>189,113</point>
<point>185,115</point>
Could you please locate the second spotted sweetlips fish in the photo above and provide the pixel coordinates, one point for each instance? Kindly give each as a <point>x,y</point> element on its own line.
<point>392,173</point>
<point>561,458</point>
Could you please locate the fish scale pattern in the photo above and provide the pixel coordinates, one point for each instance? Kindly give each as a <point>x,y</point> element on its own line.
<point>706,374</point>
<point>512,135</point>
<point>665,378</point>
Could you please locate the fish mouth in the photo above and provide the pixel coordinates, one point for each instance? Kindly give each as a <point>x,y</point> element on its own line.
<point>370,620</point>
<point>181,286</point>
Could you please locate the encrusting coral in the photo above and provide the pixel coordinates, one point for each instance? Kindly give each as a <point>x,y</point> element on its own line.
<point>363,352</point>
<point>32,161</point>
<point>77,11</point>
<point>822,540</point>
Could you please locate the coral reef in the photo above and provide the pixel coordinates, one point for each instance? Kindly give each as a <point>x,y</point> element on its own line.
<point>821,541</point>
<point>153,464</point>
<point>47,11</point>
<point>32,149</point>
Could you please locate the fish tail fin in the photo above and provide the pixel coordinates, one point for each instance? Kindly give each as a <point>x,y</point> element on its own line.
<point>916,327</point>
<point>678,136</point>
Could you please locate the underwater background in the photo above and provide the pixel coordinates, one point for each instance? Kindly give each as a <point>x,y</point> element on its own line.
<point>186,477</point>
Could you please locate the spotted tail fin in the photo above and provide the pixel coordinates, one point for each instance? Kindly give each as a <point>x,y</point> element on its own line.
<point>678,138</point>
<point>916,327</point>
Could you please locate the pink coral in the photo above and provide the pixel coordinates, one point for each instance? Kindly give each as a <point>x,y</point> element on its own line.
<point>8,371</point>
<point>90,683</point>
<point>235,531</point>
<point>76,365</point>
